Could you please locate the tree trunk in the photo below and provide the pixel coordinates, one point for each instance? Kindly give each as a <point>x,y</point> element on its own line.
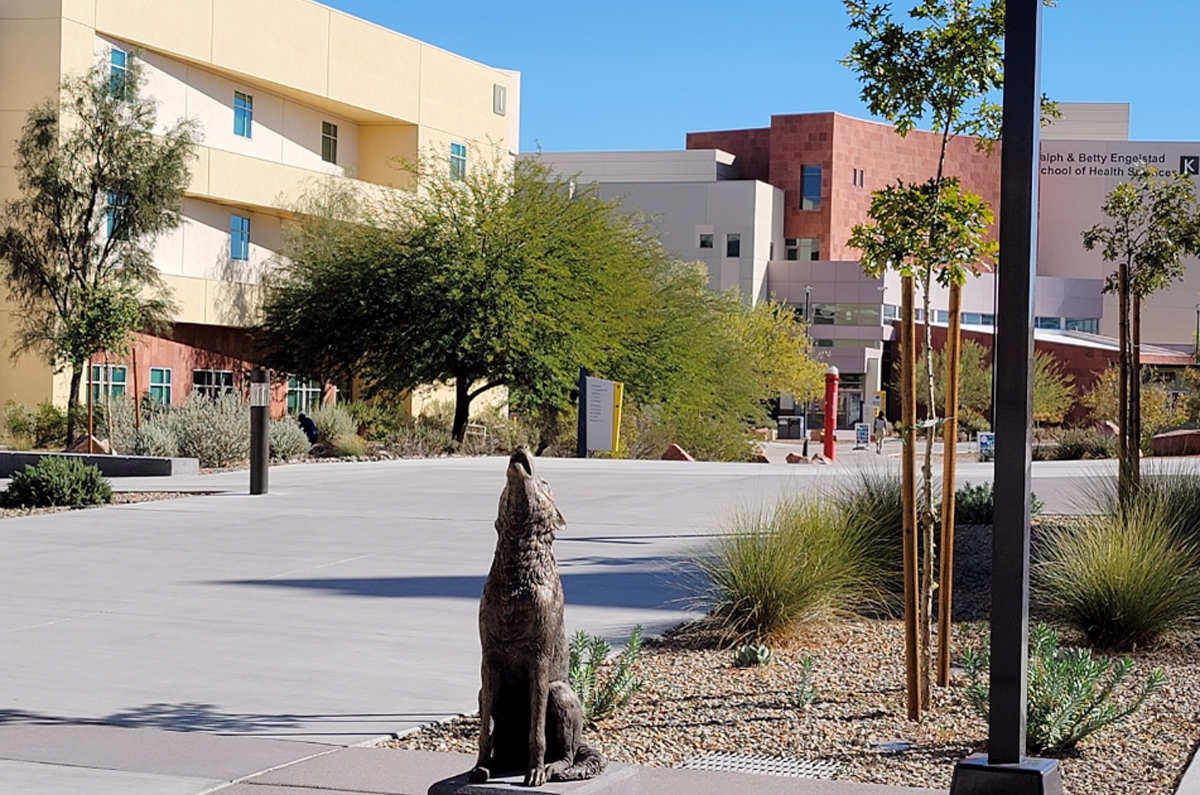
<point>949,462</point>
<point>1135,393</point>
<point>73,404</point>
<point>908,422</point>
<point>925,594</point>
<point>462,406</point>
<point>1123,448</point>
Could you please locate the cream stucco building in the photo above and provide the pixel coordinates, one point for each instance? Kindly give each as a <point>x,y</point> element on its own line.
<point>284,91</point>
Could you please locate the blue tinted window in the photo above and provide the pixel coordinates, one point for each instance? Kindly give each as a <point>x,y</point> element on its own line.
<point>114,207</point>
<point>458,161</point>
<point>243,114</point>
<point>810,187</point>
<point>239,237</point>
<point>118,62</point>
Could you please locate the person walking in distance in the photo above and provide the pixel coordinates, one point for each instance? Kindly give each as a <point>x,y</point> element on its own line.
<point>881,431</point>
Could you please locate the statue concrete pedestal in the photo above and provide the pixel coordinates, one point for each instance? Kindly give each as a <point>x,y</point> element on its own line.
<point>617,779</point>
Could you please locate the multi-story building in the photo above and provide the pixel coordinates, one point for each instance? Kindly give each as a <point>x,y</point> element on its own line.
<point>820,170</point>
<point>285,91</point>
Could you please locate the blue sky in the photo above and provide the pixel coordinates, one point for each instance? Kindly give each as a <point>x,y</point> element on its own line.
<point>640,75</point>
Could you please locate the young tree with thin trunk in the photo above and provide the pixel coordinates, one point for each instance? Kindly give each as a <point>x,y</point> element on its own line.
<point>1155,223</point>
<point>944,69</point>
<point>99,181</point>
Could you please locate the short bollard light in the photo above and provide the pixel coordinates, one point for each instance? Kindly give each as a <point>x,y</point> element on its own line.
<point>260,429</point>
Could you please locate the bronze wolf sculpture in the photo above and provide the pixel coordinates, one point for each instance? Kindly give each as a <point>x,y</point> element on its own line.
<point>530,719</point>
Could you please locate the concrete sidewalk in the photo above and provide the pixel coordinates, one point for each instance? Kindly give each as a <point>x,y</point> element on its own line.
<point>186,645</point>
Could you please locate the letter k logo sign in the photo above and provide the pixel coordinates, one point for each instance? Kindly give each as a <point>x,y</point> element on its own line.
<point>1190,165</point>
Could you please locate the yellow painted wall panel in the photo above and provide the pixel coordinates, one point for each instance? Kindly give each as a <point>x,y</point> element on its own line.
<point>78,48</point>
<point>378,146</point>
<point>81,11</point>
<point>182,27</point>
<point>11,122</point>
<point>199,168</point>
<point>26,380</point>
<point>233,303</point>
<point>283,41</point>
<point>251,182</point>
<point>190,296</point>
<point>29,9</point>
<point>456,96</point>
<point>375,68</point>
<point>29,61</point>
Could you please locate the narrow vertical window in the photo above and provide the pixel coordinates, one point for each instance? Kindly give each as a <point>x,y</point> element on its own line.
<point>114,212</point>
<point>810,187</point>
<point>458,161</point>
<point>243,114</point>
<point>239,237</point>
<point>118,61</point>
<point>160,385</point>
<point>733,245</point>
<point>329,142</point>
<point>499,99</point>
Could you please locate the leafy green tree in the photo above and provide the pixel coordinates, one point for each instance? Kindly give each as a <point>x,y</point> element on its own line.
<point>99,181</point>
<point>1159,409</point>
<point>1155,223</point>
<point>1053,389</point>
<point>505,276</point>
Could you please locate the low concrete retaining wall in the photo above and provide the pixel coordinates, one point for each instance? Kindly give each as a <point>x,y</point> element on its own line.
<point>111,466</point>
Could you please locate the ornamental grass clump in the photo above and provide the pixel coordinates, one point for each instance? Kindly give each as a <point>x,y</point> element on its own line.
<point>776,569</point>
<point>1123,579</point>
<point>287,440</point>
<point>333,422</point>
<point>1071,694</point>
<point>603,687</point>
<point>57,482</point>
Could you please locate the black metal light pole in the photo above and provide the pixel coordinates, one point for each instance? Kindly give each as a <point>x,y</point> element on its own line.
<point>808,333</point>
<point>1196,339</point>
<point>260,429</point>
<point>1005,769</point>
<point>581,444</point>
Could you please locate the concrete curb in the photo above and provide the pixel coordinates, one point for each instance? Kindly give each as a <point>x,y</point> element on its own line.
<point>111,466</point>
<point>1189,782</point>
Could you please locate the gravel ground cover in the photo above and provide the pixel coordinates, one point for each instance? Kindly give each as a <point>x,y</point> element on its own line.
<point>119,498</point>
<point>695,700</point>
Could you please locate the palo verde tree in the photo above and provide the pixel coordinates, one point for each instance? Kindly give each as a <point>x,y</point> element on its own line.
<point>1154,224</point>
<point>944,69</point>
<point>506,275</point>
<point>99,181</point>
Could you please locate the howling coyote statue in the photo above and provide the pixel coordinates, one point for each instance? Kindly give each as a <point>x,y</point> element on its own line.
<point>530,719</point>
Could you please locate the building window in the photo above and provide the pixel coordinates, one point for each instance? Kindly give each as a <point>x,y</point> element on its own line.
<point>329,142</point>
<point>107,380</point>
<point>239,237</point>
<point>706,240</point>
<point>1089,324</point>
<point>1047,322</point>
<point>499,99</point>
<point>819,343</point>
<point>972,319</point>
<point>160,385</point>
<point>824,314</point>
<point>810,187</point>
<point>803,248</point>
<point>458,161</point>
<point>733,245</point>
<point>941,316</point>
<point>212,383</point>
<point>304,394</point>
<point>891,312</point>
<point>243,114</point>
<point>118,64</point>
<point>114,210</point>
<point>988,320</point>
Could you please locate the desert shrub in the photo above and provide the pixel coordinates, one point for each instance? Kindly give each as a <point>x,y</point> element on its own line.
<point>49,426</point>
<point>1077,444</point>
<point>57,481</point>
<point>122,416</point>
<point>751,655</point>
<point>418,440</point>
<point>217,432</point>
<point>804,695</point>
<point>333,421</point>
<point>287,439</point>
<point>1071,695</point>
<point>438,414</point>
<point>157,438</point>
<point>349,445</point>
<point>602,694</point>
<point>976,504</point>
<point>1124,578</point>
<point>772,570</point>
<point>377,419</point>
<point>872,505</point>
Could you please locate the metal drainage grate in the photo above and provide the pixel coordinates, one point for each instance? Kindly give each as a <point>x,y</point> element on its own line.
<point>762,765</point>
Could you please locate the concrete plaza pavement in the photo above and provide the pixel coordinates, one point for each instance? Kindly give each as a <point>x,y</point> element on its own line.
<point>178,646</point>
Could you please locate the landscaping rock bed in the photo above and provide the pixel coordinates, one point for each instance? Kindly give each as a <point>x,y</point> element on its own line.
<point>694,700</point>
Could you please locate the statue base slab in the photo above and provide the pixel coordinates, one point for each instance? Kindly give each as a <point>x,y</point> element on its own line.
<point>617,779</point>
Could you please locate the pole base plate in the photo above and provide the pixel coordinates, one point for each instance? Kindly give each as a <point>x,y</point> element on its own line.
<point>1032,776</point>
